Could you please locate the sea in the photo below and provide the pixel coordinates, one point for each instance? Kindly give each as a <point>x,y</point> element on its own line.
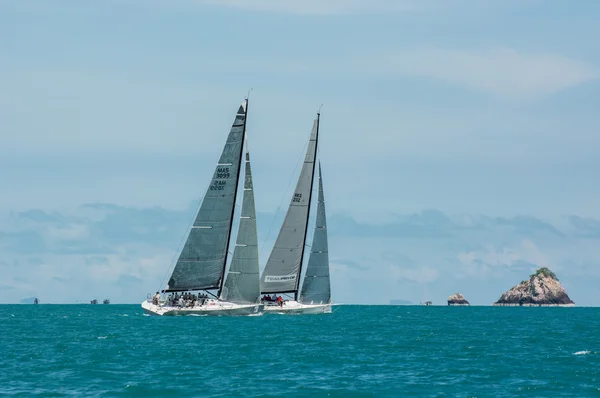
<point>356,351</point>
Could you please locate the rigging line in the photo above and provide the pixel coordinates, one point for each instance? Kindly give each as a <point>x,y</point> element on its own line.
<point>312,181</point>
<point>285,195</point>
<point>184,238</point>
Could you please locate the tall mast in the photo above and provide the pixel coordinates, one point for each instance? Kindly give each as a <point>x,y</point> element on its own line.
<point>308,212</point>
<point>237,182</point>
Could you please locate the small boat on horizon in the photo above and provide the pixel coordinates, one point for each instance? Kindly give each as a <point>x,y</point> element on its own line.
<point>106,301</point>
<point>93,301</point>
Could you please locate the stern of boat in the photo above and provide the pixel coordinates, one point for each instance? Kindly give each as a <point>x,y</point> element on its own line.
<point>152,309</point>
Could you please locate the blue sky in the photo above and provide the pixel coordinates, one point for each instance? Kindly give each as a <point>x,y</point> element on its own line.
<point>473,108</point>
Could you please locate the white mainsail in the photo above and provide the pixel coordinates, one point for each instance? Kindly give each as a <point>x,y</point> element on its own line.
<point>284,266</point>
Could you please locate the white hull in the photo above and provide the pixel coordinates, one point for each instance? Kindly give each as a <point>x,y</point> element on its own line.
<point>211,307</point>
<point>294,307</point>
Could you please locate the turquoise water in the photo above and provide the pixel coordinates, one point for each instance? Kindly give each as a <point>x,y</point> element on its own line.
<point>361,351</point>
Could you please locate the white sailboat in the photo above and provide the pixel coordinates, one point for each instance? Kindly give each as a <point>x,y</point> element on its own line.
<point>200,268</point>
<point>284,268</point>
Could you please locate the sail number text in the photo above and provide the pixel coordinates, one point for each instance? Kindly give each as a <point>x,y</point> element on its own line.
<point>297,197</point>
<point>218,186</point>
<point>223,172</point>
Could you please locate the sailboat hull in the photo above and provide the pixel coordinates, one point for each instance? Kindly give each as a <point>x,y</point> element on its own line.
<point>214,308</point>
<point>292,307</point>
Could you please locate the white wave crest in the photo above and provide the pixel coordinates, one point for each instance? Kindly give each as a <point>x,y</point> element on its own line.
<point>581,352</point>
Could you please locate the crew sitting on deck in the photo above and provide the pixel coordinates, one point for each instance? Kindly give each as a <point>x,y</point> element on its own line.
<point>156,298</point>
<point>273,299</point>
<point>186,299</point>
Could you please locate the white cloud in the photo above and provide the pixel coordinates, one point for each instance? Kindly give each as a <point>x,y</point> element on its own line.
<point>482,261</point>
<point>504,72</point>
<point>419,275</point>
<point>64,278</point>
<point>69,232</point>
<point>127,253</point>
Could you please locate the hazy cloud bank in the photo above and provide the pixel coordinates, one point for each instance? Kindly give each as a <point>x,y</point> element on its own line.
<point>105,250</point>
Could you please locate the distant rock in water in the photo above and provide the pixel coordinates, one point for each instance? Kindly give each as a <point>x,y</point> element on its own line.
<point>457,299</point>
<point>28,300</point>
<point>542,289</point>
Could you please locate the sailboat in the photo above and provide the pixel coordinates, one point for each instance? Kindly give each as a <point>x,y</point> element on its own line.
<point>284,267</point>
<point>202,262</point>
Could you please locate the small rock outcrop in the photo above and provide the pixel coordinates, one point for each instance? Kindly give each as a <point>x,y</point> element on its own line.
<point>457,299</point>
<point>542,289</point>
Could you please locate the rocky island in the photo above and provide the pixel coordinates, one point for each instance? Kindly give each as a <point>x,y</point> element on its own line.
<point>457,299</point>
<point>542,289</point>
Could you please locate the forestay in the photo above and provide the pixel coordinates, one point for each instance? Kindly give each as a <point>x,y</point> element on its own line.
<point>201,263</point>
<point>316,288</point>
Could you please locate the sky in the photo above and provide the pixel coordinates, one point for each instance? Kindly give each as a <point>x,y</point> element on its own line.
<point>476,121</point>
